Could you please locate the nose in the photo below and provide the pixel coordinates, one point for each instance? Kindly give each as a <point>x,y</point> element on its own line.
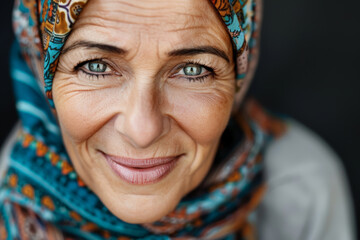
<point>142,122</point>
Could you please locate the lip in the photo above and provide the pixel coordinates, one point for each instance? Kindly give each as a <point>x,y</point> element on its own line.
<point>141,171</point>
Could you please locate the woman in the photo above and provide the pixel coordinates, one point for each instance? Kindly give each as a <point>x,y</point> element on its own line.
<point>132,142</point>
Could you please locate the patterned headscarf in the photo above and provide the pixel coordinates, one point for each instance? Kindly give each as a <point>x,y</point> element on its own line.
<point>42,197</point>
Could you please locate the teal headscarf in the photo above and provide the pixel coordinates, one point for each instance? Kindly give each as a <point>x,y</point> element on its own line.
<point>41,188</point>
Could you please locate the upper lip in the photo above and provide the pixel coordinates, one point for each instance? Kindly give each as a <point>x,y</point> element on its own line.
<point>141,163</point>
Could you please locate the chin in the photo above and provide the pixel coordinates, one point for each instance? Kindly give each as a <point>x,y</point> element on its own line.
<point>141,209</point>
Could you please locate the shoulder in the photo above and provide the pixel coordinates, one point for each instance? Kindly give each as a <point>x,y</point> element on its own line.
<point>307,196</point>
<point>300,151</point>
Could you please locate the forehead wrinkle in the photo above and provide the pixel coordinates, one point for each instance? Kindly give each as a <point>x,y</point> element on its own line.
<point>112,28</point>
<point>111,13</point>
<point>144,25</point>
<point>145,8</point>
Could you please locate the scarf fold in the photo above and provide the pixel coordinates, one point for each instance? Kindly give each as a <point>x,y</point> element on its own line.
<point>42,197</point>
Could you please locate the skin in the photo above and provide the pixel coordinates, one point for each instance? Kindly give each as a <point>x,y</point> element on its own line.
<point>144,107</point>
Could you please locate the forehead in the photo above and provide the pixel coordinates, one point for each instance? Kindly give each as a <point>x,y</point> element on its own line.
<point>167,21</point>
<point>150,14</point>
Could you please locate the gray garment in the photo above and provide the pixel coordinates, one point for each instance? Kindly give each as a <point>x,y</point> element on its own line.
<point>308,196</point>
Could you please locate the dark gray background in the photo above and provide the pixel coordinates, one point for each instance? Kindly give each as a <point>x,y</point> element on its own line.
<point>309,69</point>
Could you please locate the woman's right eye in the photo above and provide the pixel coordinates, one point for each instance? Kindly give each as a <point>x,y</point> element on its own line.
<point>96,68</point>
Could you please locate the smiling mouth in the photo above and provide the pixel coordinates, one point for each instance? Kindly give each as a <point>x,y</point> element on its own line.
<point>141,171</point>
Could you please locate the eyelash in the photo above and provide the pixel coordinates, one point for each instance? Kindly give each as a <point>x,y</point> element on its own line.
<point>199,78</point>
<point>78,67</point>
<point>89,74</point>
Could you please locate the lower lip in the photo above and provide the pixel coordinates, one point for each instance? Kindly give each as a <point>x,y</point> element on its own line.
<point>142,176</point>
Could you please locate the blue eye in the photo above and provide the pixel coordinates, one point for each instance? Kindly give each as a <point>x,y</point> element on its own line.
<point>97,67</point>
<point>193,70</point>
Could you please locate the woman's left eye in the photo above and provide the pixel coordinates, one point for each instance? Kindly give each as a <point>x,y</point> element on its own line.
<point>194,72</point>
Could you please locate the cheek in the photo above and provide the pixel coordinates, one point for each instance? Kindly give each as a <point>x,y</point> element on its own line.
<point>203,116</point>
<point>78,110</point>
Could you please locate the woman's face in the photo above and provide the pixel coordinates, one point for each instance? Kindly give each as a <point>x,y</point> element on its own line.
<point>143,92</point>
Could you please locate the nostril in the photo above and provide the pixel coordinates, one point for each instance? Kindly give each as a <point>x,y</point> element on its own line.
<point>141,128</point>
<point>144,130</point>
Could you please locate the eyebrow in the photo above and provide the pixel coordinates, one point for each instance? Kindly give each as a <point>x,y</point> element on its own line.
<point>199,50</point>
<point>88,44</point>
<point>177,52</point>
